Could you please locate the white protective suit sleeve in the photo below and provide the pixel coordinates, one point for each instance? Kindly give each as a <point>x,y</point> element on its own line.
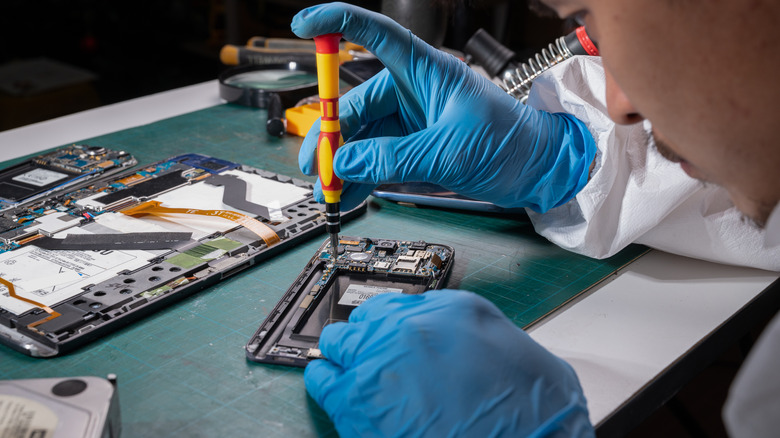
<point>634,195</point>
<point>754,397</point>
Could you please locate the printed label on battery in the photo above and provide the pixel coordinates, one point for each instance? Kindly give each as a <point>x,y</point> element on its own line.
<point>49,277</point>
<point>40,177</point>
<point>357,293</point>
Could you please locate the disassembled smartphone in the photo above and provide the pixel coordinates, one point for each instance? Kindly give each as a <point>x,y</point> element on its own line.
<point>329,288</point>
<point>64,168</point>
<point>419,193</point>
<point>77,265</point>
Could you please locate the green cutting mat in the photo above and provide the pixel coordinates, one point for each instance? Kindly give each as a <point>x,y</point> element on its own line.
<point>182,371</point>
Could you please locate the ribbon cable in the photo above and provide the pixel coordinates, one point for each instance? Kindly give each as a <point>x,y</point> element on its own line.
<point>12,293</point>
<point>154,208</point>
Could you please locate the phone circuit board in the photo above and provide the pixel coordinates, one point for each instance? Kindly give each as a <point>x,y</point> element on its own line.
<point>79,264</point>
<point>329,288</point>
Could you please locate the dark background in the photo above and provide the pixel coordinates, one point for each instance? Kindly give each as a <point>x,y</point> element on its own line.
<point>140,47</point>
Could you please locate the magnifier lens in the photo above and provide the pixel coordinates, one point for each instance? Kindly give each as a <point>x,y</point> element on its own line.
<point>272,80</point>
<point>251,85</point>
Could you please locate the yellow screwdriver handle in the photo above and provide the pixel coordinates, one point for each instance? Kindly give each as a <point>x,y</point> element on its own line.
<point>327,47</point>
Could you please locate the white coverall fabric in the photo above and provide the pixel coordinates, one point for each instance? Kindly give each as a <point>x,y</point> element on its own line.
<point>635,195</point>
<point>753,406</point>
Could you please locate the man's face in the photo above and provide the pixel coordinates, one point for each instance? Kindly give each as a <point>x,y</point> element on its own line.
<point>706,74</point>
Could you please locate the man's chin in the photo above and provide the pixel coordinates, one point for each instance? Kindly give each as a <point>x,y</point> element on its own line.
<point>691,171</point>
<point>755,212</point>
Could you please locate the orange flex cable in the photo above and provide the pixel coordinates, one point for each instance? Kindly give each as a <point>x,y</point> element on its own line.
<point>12,293</point>
<point>154,208</point>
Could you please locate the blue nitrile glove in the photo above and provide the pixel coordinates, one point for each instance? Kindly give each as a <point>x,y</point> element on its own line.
<point>444,363</point>
<point>429,118</point>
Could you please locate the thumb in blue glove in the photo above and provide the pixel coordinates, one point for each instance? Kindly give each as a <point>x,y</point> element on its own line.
<point>428,117</point>
<point>443,363</point>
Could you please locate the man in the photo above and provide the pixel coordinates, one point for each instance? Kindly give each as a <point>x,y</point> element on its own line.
<point>634,194</point>
<point>449,363</point>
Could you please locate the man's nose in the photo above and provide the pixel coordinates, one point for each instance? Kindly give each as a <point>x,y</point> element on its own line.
<point>619,108</point>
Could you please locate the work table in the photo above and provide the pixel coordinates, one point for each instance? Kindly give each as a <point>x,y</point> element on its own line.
<point>633,340</point>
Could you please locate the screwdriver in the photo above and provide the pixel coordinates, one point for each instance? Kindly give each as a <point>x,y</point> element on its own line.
<point>329,140</point>
<point>239,55</point>
<point>270,51</point>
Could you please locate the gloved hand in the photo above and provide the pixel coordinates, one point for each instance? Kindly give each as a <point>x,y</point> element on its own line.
<point>443,363</point>
<point>429,118</point>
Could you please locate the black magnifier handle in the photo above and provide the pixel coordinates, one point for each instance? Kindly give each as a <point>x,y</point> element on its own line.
<point>275,122</point>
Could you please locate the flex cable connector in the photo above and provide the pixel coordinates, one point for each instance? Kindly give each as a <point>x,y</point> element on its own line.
<point>12,294</point>
<point>155,208</point>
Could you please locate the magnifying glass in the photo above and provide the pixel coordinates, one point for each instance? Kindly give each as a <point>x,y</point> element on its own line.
<point>276,87</point>
<point>253,85</point>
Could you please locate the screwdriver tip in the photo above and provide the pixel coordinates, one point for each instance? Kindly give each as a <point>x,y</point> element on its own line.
<point>334,244</point>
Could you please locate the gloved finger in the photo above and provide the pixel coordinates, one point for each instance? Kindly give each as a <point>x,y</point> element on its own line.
<point>368,104</point>
<point>307,154</point>
<point>321,378</point>
<point>393,308</point>
<point>380,306</point>
<point>406,56</point>
<point>352,194</point>
<point>341,342</point>
<point>317,193</point>
<point>379,34</point>
<point>385,160</point>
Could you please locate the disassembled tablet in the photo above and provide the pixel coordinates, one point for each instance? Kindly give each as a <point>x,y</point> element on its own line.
<point>77,265</point>
<point>62,169</point>
<point>328,289</point>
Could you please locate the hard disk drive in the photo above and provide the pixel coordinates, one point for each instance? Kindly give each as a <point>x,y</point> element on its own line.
<point>85,407</point>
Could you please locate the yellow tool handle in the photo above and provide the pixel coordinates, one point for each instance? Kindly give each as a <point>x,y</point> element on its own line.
<point>330,131</point>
